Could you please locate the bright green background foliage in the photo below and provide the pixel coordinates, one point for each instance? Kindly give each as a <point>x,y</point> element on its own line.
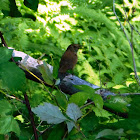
<point>48,26</point>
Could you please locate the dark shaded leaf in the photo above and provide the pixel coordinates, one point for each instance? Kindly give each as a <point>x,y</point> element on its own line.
<point>5,107</point>
<point>12,77</point>
<point>5,55</point>
<point>32,4</point>
<point>8,124</point>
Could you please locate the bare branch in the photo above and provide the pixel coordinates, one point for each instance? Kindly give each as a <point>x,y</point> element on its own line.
<point>130,42</point>
<point>31,116</point>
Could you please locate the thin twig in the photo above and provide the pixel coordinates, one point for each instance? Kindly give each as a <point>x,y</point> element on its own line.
<point>13,97</point>
<point>31,116</point>
<point>78,128</point>
<point>42,132</point>
<point>129,94</point>
<point>100,74</point>
<point>130,43</point>
<point>87,104</point>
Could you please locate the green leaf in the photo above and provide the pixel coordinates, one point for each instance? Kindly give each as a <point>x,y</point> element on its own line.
<point>55,68</point>
<point>8,124</point>
<point>57,132</point>
<point>2,137</point>
<point>36,99</point>
<point>12,77</point>
<point>98,100</point>
<point>49,113</point>
<point>79,98</point>
<point>117,103</point>
<point>118,77</point>
<point>89,122</point>
<point>101,112</point>
<point>32,4</point>
<point>5,55</point>
<point>4,5</point>
<point>70,125</point>
<point>5,107</point>
<point>134,109</point>
<point>110,132</point>
<point>73,111</point>
<point>61,99</point>
<point>85,88</point>
<point>46,73</point>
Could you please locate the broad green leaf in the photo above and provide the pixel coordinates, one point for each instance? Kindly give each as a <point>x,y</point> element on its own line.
<point>79,98</point>
<point>101,112</point>
<point>55,68</point>
<point>110,132</point>
<point>46,73</point>
<point>5,107</point>
<point>49,113</point>
<point>70,125</point>
<point>98,100</point>
<point>5,5</point>
<point>12,77</point>
<point>85,88</point>
<point>61,99</point>
<point>9,124</point>
<point>5,55</point>
<point>117,103</point>
<point>73,111</point>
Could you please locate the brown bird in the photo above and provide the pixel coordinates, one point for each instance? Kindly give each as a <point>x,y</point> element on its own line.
<point>69,58</point>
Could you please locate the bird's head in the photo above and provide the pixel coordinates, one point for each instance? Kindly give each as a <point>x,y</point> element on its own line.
<point>73,47</point>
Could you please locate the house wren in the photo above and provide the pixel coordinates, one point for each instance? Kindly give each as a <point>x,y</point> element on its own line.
<point>69,58</point>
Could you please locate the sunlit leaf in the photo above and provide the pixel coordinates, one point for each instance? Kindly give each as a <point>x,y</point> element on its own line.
<point>79,98</point>
<point>101,112</point>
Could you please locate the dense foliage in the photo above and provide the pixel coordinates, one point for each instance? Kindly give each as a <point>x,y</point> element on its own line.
<point>48,26</point>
